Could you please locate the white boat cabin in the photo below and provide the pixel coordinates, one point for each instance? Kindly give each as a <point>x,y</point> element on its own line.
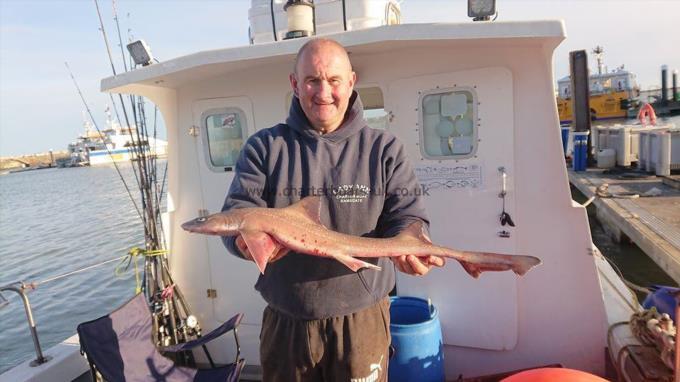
<point>474,104</point>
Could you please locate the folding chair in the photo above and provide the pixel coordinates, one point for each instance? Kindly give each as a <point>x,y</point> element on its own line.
<point>119,346</point>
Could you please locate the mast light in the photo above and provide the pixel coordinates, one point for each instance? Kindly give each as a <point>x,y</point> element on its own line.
<point>300,18</point>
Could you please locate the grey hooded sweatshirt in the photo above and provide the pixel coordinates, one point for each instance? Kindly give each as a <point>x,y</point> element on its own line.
<point>367,187</point>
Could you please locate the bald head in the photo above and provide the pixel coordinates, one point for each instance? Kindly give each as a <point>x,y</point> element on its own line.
<point>321,44</point>
<point>323,82</point>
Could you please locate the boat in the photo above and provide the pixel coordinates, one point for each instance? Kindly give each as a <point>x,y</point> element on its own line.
<point>492,84</point>
<point>613,95</point>
<point>113,144</point>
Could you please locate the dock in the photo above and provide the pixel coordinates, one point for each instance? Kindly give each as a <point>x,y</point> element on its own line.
<point>643,209</point>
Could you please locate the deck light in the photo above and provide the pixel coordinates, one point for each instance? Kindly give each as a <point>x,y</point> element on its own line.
<point>300,18</point>
<point>481,10</point>
<point>140,52</point>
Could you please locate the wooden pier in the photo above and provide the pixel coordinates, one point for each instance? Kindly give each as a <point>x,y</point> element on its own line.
<point>642,209</point>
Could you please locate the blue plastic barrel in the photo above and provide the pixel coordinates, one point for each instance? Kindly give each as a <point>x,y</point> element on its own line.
<point>580,158</point>
<point>565,139</point>
<point>417,341</point>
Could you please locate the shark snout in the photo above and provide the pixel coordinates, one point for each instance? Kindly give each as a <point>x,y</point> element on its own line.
<point>194,225</point>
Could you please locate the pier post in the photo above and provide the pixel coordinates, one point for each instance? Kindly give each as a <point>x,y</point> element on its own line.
<point>578,65</point>
<point>664,84</point>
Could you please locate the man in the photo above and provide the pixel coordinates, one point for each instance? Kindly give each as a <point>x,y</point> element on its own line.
<point>323,321</point>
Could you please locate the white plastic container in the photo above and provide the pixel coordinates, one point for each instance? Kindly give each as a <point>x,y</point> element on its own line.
<point>606,158</point>
<point>360,14</point>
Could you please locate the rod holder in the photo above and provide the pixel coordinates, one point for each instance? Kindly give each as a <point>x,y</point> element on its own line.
<point>504,179</point>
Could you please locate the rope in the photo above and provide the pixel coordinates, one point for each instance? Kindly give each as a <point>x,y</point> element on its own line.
<point>131,257</point>
<point>617,364</point>
<point>656,331</point>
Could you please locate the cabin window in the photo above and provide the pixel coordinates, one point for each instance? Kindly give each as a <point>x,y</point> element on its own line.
<point>225,130</point>
<point>374,107</point>
<point>449,124</point>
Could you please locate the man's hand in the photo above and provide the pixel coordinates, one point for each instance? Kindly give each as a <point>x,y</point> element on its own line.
<point>279,252</point>
<point>418,266</point>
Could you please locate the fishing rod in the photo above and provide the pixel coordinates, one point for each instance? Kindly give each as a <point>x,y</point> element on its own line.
<point>170,309</point>
<point>120,39</point>
<point>140,182</point>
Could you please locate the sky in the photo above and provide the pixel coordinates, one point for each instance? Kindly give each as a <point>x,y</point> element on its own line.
<point>40,109</point>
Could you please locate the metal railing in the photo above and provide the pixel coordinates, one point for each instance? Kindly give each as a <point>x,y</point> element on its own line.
<point>20,288</point>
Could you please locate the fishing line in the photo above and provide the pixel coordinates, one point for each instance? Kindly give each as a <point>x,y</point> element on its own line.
<point>35,284</point>
<point>101,136</point>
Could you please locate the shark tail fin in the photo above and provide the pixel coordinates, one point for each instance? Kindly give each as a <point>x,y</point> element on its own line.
<point>523,264</point>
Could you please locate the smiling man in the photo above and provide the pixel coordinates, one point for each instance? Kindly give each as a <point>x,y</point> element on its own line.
<point>324,322</point>
<point>323,82</point>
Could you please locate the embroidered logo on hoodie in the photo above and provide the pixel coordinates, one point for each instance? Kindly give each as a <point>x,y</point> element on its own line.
<point>351,193</point>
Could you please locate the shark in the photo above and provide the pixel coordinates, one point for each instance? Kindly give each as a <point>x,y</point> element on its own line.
<point>298,228</point>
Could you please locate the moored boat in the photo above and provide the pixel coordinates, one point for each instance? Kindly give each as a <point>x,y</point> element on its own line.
<point>613,95</point>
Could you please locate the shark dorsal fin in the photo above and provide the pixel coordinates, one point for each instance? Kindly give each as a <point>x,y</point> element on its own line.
<point>415,230</point>
<point>309,207</point>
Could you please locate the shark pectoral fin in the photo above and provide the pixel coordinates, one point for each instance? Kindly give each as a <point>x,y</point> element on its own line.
<point>354,264</point>
<point>415,230</point>
<point>309,207</point>
<point>261,247</point>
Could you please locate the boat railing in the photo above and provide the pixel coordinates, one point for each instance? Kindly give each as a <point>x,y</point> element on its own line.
<point>20,288</point>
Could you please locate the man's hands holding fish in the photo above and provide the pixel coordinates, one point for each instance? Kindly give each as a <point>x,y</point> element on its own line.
<point>415,265</point>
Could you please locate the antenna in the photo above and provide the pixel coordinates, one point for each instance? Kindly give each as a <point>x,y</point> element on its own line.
<point>599,56</point>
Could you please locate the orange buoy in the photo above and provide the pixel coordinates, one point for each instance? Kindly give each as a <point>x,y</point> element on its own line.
<point>647,113</point>
<point>549,374</point>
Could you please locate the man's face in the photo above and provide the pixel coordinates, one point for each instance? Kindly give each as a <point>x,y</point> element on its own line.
<point>323,81</point>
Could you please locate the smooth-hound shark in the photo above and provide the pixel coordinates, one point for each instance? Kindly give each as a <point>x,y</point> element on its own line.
<point>298,227</point>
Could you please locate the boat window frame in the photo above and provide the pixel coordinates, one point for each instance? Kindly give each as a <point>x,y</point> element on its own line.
<point>206,141</point>
<point>289,99</point>
<point>475,122</point>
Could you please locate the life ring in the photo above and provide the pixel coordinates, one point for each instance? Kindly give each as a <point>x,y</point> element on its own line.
<point>553,374</point>
<point>647,113</point>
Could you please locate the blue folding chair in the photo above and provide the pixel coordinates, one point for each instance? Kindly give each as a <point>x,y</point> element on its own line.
<point>119,346</point>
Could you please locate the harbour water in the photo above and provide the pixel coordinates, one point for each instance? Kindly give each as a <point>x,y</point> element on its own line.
<point>58,220</point>
<point>54,221</point>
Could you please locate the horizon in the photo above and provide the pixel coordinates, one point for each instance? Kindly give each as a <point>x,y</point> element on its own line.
<point>37,37</point>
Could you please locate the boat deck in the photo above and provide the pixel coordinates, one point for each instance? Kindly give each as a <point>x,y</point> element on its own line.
<point>650,222</point>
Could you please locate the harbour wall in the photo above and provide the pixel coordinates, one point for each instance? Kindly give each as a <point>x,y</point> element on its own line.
<point>32,160</point>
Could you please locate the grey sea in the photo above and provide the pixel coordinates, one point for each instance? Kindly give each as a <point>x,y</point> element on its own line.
<point>55,221</point>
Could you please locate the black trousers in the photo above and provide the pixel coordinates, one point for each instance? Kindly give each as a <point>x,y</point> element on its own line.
<point>352,348</point>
